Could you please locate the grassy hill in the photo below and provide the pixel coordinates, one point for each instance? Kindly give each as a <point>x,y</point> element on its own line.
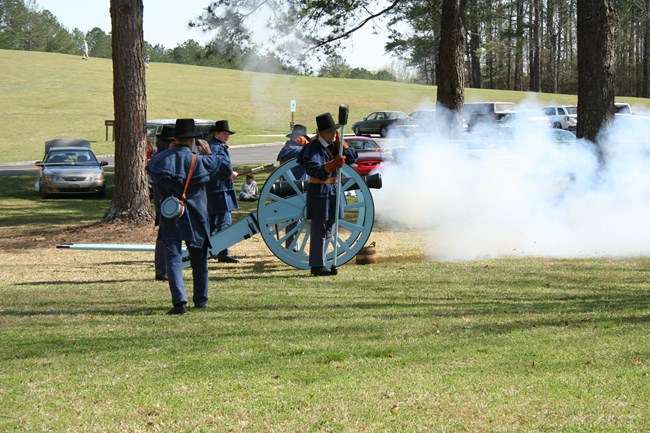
<point>50,95</point>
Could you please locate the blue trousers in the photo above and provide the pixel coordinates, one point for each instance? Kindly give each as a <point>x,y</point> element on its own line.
<point>220,222</point>
<point>199,261</point>
<point>320,237</point>
<point>159,259</point>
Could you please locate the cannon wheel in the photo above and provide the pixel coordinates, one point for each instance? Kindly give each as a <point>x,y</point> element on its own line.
<point>285,229</point>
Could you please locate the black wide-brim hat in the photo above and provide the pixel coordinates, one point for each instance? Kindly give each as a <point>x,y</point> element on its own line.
<point>221,125</point>
<point>325,122</point>
<point>298,131</point>
<point>185,129</point>
<point>166,132</point>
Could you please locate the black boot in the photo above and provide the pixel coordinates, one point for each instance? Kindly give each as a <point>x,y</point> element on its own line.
<point>178,309</point>
<point>320,271</point>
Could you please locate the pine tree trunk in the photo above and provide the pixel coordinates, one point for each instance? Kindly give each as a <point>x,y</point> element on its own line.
<point>452,68</point>
<point>551,84</point>
<point>535,72</point>
<point>475,60</point>
<point>131,195</point>
<point>519,46</point>
<point>597,33</point>
<point>646,52</point>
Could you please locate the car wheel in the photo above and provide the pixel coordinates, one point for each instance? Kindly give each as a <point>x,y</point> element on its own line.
<point>102,192</point>
<point>557,125</point>
<point>383,132</point>
<point>356,130</point>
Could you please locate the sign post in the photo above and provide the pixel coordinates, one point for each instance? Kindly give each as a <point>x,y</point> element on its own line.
<point>292,108</point>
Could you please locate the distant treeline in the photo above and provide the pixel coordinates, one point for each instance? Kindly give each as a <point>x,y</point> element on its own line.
<point>25,26</point>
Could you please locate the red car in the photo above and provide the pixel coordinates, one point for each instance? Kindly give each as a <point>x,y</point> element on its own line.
<point>370,155</point>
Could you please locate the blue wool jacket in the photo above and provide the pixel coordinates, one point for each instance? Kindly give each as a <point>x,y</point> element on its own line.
<point>222,196</point>
<point>289,151</point>
<point>168,170</point>
<point>321,198</point>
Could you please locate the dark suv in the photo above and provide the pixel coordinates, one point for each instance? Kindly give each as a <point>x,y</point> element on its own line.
<point>489,113</point>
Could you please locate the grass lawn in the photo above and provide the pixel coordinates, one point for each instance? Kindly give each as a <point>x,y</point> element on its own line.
<point>404,345</point>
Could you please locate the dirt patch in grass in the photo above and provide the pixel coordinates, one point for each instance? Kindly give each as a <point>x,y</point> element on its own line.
<point>113,233</point>
<point>393,247</point>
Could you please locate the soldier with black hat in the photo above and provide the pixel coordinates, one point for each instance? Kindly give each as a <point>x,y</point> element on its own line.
<point>222,197</point>
<point>321,158</point>
<point>164,138</point>
<point>297,139</point>
<point>178,172</point>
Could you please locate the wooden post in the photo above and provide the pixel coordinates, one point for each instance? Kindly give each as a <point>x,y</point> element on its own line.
<point>110,123</point>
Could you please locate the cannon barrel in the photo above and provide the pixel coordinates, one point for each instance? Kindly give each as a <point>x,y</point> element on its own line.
<point>285,188</point>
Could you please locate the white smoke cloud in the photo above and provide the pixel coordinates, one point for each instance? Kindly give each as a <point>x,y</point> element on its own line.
<point>522,194</point>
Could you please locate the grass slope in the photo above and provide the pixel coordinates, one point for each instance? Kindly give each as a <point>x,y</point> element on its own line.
<point>49,96</point>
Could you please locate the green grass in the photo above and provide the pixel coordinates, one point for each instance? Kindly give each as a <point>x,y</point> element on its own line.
<point>405,345</point>
<point>49,96</point>
<point>504,345</point>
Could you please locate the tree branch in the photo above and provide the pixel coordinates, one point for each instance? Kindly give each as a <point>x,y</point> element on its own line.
<point>344,35</point>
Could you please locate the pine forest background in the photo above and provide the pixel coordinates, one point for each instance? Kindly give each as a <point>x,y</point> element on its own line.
<point>509,45</point>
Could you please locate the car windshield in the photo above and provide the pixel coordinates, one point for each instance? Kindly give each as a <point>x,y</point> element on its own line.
<point>572,110</point>
<point>360,144</point>
<point>563,136</point>
<point>71,157</point>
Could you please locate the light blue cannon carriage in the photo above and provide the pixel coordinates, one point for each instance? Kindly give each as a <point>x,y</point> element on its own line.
<point>280,220</point>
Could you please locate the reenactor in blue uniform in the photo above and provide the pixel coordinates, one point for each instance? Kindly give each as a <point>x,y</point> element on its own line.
<point>321,159</point>
<point>222,197</point>
<point>297,139</point>
<point>163,139</point>
<point>170,169</point>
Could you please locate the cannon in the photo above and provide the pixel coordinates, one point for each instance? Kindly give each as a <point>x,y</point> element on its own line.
<point>281,221</point>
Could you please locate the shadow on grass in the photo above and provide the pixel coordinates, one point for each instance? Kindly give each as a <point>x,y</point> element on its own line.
<point>72,283</point>
<point>141,311</point>
<point>329,309</point>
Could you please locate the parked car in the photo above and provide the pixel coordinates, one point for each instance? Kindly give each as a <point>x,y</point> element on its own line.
<point>559,117</point>
<point>370,154</point>
<point>486,113</point>
<point>70,167</point>
<point>380,122</point>
<point>520,122</point>
<point>573,113</point>
<point>422,122</point>
<point>562,136</point>
<point>154,126</point>
<point>622,108</point>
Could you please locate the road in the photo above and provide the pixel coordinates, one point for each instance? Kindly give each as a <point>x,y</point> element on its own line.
<point>245,154</point>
